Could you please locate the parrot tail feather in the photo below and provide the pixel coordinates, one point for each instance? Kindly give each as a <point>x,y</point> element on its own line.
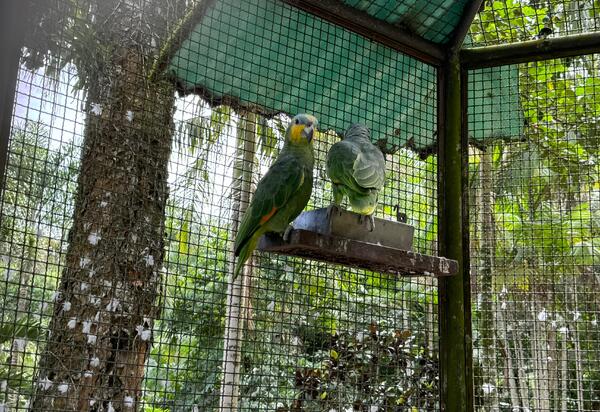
<point>244,253</point>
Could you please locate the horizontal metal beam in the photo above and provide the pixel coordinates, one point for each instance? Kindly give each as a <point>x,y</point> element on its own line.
<point>533,50</point>
<point>385,33</point>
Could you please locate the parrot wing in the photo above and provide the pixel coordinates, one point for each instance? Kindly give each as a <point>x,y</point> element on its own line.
<point>273,192</point>
<point>369,167</point>
<point>359,170</point>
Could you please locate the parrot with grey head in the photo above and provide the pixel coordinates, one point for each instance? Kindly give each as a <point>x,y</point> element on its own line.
<point>356,168</point>
<point>282,193</point>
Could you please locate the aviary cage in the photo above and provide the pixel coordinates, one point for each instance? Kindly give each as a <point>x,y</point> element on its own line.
<point>133,133</point>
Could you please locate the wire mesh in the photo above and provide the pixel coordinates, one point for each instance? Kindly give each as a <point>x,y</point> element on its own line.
<point>509,21</point>
<point>88,284</point>
<point>434,21</point>
<point>534,244</point>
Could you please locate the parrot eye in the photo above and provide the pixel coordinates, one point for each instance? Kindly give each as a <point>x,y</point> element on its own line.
<point>297,121</point>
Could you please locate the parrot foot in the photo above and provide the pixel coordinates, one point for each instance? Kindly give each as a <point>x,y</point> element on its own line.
<point>333,208</point>
<point>287,233</point>
<point>371,220</point>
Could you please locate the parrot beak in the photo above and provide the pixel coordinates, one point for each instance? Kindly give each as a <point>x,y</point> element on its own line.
<point>309,131</point>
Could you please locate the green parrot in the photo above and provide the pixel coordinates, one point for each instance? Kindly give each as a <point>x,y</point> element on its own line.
<point>356,168</point>
<point>282,193</point>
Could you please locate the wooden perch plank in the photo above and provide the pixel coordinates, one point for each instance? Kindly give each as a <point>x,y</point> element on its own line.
<point>354,253</point>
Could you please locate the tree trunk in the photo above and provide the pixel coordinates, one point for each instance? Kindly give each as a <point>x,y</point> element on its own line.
<point>508,355</point>
<point>238,289</point>
<point>564,374</point>
<point>579,380</point>
<point>535,355</point>
<point>521,368</point>
<point>100,332</point>
<point>552,370</point>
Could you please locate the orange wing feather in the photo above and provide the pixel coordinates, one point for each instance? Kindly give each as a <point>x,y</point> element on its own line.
<point>268,216</point>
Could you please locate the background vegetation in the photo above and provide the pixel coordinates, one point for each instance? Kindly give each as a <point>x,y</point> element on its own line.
<point>320,337</point>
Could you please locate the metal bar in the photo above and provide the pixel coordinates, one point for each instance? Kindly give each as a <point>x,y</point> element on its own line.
<point>374,29</point>
<point>458,36</point>
<point>11,38</point>
<point>528,51</point>
<point>182,31</point>
<point>456,378</point>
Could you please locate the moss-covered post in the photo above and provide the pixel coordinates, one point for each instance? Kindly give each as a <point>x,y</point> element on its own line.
<point>456,378</point>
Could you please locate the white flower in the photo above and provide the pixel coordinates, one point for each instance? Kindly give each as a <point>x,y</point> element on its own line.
<point>143,332</point>
<point>63,387</point>
<point>72,323</point>
<point>112,306</point>
<point>110,408</point>
<point>87,325</point>
<point>129,115</point>
<point>104,203</point>
<point>503,306</point>
<point>94,362</point>
<point>88,374</point>
<point>576,316</point>
<point>128,401</point>
<point>487,388</point>
<point>149,259</point>
<point>66,306</point>
<point>84,286</point>
<point>92,339</point>
<point>84,261</point>
<point>94,300</point>
<point>93,238</point>
<point>373,408</point>
<point>594,322</point>
<point>564,330</point>
<point>96,109</point>
<point>45,383</point>
<point>543,315</point>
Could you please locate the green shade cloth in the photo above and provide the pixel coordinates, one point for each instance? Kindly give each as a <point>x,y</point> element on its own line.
<point>434,20</point>
<point>494,107</point>
<point>270,57</point>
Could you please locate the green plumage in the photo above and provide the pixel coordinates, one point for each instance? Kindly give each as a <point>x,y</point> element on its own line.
<point>356,168</point>
<point>282,193</point>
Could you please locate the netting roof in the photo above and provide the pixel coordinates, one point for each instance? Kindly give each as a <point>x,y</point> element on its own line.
<point>270,57</point>
<point>434,20</point>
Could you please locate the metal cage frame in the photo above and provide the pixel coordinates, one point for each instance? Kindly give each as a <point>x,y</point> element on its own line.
<point>453,65</point>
